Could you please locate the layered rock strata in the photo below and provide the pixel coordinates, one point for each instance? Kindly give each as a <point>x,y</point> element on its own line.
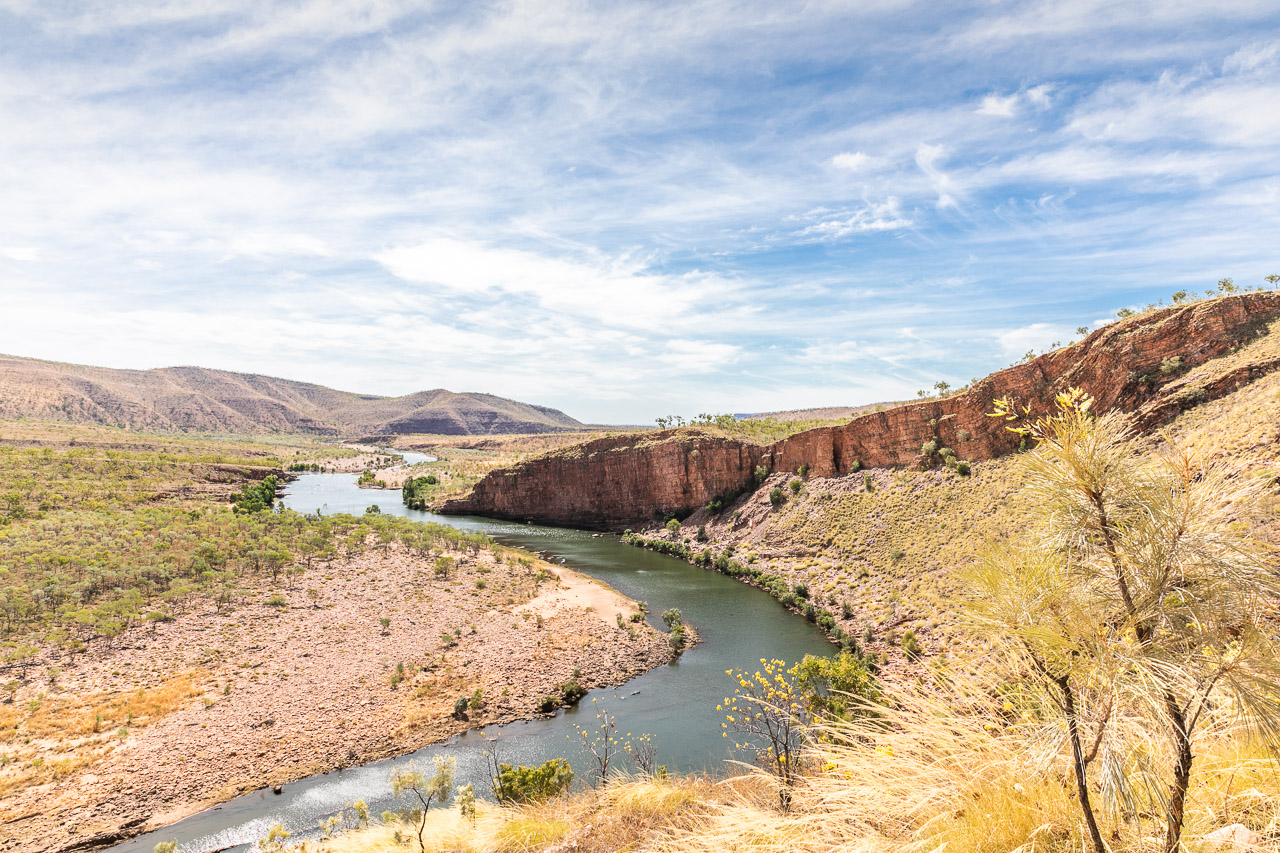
<point>1134,366</point>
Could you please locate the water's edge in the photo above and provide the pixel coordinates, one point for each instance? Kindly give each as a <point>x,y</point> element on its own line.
<point>675,703</point>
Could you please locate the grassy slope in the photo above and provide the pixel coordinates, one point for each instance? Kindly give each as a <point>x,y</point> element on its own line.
<point>891,552</point>
<point>955,783</point>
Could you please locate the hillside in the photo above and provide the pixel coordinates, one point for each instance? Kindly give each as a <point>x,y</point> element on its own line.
<point>204,400</point>
<point>1152,366</point>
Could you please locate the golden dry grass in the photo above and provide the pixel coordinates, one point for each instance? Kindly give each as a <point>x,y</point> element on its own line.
<point>47,739</point>
<point>934,773</point>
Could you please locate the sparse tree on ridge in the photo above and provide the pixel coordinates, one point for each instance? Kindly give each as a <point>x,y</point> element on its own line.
<point>1136,605</point>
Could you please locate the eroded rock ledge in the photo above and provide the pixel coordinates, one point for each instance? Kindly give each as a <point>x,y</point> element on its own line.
<point>628,480</point>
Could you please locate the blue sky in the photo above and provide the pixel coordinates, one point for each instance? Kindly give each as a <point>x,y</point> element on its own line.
<point>623,210</point>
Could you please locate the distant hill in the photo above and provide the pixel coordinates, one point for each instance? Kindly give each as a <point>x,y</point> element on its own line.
<point>203,400</point>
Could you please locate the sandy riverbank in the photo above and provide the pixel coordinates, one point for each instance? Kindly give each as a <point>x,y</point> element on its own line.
<point>258,694</point>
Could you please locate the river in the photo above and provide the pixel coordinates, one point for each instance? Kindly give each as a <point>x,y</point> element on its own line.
<point>676,703</point>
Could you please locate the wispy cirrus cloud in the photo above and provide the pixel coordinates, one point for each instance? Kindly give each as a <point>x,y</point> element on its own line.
<point>622,210</point>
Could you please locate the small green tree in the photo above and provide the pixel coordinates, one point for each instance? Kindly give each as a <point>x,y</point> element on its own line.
<point>532,784</point>
<point>437,788</point>
<point>1135,602</point>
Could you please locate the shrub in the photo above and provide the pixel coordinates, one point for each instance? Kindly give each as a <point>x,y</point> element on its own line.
<point>803,470</point>
<point>761,474</point>
<point>1172,365</point>
<point>801,589</point>
<point>571,692</point>
<point>796,486</point>
<point>676,638</point>
<point>911,646</point>
<point>671,618</point>
<point>867,484</point>
<point>855,466</point>
<point>929,448</point>
<point>962,468</point>
<point>277,600</point>
<point>775,496</point>
<point>460,707</point>
<point>532,784</point>
<point>702,533</point>
<point>673,526</point>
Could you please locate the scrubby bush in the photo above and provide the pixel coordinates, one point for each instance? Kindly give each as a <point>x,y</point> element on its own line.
<point>775,496</point>
<point>532,784</point>
<point>911,646</point>
<point>962,468</point>
<point>571,692</point>
<point>795,486</point>
<point>673,526</point>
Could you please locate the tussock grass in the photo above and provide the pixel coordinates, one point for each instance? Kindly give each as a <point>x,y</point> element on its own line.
<point>954,771</point>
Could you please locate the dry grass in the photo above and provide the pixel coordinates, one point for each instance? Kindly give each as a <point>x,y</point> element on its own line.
<point>892,552</point>
<point>940,779</point>
<point>47,739</point>
<point>628,814</point>
<point>933,773</point>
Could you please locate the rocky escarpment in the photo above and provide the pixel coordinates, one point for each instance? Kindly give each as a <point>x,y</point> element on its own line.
<point>1139,366</point>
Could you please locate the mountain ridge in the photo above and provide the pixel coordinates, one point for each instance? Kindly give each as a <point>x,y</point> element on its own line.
<point>202,399</point>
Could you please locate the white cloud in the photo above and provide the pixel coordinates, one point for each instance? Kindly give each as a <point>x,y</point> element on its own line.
<point>885,216</point>
<point>17,253</point>
<point>620,291</point>
<point>999,105</point>
<point>855,161</point>
<point>1015,343</point>
<point>927,158</point>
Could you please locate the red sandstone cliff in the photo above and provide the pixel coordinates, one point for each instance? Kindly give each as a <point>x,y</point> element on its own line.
<point>629,480</point>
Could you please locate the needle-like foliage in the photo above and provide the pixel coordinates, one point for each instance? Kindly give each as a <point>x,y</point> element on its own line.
<point>1137,601</point>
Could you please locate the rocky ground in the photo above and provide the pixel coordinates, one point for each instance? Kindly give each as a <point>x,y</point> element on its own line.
<point>294,681</point>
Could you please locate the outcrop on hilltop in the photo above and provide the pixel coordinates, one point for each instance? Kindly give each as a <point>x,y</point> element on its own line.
<point>1135,366</point>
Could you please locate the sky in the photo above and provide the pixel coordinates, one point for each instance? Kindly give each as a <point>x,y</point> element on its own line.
<point>629,209</point>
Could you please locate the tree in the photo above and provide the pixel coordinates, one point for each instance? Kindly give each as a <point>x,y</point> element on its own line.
<point>1135,603</point>
<point>436,789</point>
<point>601,743</point>
<point>532,784</point>
<point>775,707</point>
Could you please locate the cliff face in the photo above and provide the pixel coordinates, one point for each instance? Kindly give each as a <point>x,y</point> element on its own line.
<point>615,481</point>
<point>1127,366</point>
